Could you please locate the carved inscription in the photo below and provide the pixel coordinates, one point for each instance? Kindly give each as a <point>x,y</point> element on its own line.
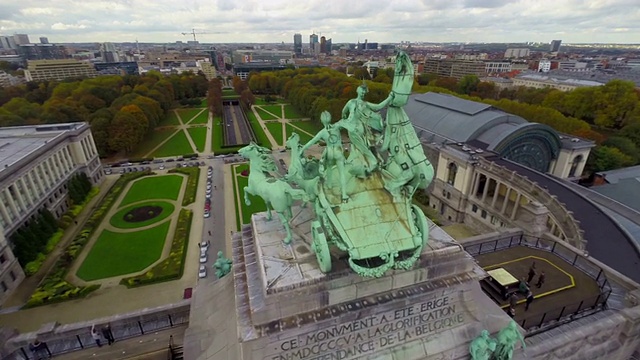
<point>369,335</point>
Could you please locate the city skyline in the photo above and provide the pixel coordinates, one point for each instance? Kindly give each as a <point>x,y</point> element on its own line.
<point>228,21</point>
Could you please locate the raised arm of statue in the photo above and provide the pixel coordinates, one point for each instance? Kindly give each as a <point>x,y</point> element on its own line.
<point>321,135</point>
<point>385,102</point>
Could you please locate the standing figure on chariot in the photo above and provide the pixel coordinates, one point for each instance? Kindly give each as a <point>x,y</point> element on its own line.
<point>358,118</point>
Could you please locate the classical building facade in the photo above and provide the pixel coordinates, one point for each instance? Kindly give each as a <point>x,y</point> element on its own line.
<point>36,162</point>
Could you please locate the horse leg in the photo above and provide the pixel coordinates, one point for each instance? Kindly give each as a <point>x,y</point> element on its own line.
<point>268,209</point>
<point>343,180</point>
<point>246,196</point>
<point>287,228</point>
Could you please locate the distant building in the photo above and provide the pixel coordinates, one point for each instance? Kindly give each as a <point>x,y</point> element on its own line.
<point>41,51</point>
<point>313,40</point>
<point>555,45</point>
<point>543,81</point>
<point>496,66</point>
<point>242,70</point>
<point>7,80</point>
<point>297,44</point>
<point>544,65</point>
<point>118,68</point>
<point>268,56</point>
<point>454,68</point>
<point>44,40</point>
<point>328,46</point>
<point>108,53</point>
<point>516,53</point>
<point>207,69</point>
<point>21,39</point>
<point>58,70</point>
<point>7,43</point>
<point>36,163</point>
<point>499,82</point>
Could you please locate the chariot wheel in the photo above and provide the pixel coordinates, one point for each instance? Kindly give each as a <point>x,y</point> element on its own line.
<point>421,223</point>
<point>321,247</point>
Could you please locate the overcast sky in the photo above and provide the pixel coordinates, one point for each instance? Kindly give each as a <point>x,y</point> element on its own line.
<point>574,21</point>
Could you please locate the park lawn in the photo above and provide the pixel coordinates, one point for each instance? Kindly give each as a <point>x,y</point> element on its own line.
<point>118,219</point>
<point>275,128</point>
<point>304,136</point>
<point>187,114</point>
<point>116,253</point>
<point>257,204</point>
<point>228,92</point>
<point>153,187</point>
<point>170,119</point>
<point>291,113</point>
<point>177,145</point>
<point>265,115</point>
<point>261,101</point>
<point>203,103</point>
<point>198,136</point>
<point>151,141</point>
<point>261,137</point>
<point>276,109</point>
<point>202,118</point>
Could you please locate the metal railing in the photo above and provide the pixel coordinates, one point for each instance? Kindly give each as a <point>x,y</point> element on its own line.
<point>560,315</point>
<point>122,330</point>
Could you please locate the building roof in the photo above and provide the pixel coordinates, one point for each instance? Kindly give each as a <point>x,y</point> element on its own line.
<point>606,241</point>
<point>625,191</point>
<point>613,176</point>
<point>453,119</point>
<point>18,142</point>
<point>559,81</point>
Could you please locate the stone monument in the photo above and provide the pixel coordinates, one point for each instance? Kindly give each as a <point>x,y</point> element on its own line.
<point>354,271</point>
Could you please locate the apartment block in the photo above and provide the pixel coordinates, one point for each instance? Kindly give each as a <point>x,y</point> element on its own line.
<point>58,70</point>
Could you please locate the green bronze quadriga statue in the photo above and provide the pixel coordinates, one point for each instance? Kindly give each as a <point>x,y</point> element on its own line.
<point>362,201</point>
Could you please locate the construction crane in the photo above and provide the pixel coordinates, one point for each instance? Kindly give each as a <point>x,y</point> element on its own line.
<point>194,33</point>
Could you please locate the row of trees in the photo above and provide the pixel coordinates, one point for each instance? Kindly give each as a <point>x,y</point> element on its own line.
<point>242,88</point>
<point>31,239</point>
<point>214,96</point>
<point>122,110</point>
<point>79,187</point>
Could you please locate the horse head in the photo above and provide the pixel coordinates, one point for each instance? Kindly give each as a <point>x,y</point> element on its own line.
<point>404,66</point>
<point>250,151</point>
<point>293,142</point>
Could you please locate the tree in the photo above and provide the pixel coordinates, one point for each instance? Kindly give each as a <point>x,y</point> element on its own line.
<point>468,84</point>
<point>125,132</point>
<point>632,132</point>
<point>426,78</point>
<point>448,83</point>
<point>615,103</point>
<point>604,158</point>
<point>625,145</point>
<point>485,90</point>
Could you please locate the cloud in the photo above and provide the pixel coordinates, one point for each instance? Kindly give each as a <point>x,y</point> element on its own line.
<point>344,21</point>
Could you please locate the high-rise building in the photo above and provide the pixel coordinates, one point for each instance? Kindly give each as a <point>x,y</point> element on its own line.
<point>323,45</point>
<point>44,40</point>
<point>7,43</point>
<point>555,45</point>
<point>108,53</point>
<point>21,39</point>
<point>516,53</point>
<point>297,44</point>
<point>313,40</point>
<point>328,46</point>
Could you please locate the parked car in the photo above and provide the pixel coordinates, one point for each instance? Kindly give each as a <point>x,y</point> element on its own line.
<point>203,259</point>
<point>208,195</point>
<point>202,273</point>
<point>161,167</point>
<point>210,157</point>
<point>205,245</point>
<point>207,214</point>
<point>170,160</point>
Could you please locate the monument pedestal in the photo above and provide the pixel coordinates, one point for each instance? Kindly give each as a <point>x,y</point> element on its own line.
<point>288,309</point>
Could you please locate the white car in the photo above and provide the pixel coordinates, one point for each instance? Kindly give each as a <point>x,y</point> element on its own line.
<point>204,245</point>
<point>203,272</point>
<point>207,214</point>
<point>203,259</point>
<point>203,252</point>
<point>209,190</point>
<point>208,195</point>
<point>161,167</point>
<point>209,186</point>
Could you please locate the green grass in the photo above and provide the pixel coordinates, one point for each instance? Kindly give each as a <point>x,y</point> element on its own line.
<point>177,145</point>
<point>187,114</point>
<point>202,118</point>
<point>116,254</point>
<point>304,137</point>
<point>291,113</point>
<point>228,92</point>
<point>217,139</point>
<point>118,220</point>
<point>276,131</point>
<point>154,187</point>
<point>257,204</point>
<point>203,103</point>
<point>170,119</point>
<point>276,109</point>
<point>262,138</point>
<point>265,115</point>
<point>151,141</point>
<point>199,136</point>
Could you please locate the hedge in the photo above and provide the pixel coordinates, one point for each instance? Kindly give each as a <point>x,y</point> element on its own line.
<point>54,288</point>
<point>172,267</point>
<point>192,183</point>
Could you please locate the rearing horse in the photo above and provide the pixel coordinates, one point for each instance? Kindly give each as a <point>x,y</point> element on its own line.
<point>407,165</point>
<point>277,194</point>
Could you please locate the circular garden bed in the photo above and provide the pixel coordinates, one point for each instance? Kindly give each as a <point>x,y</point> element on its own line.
<point>143,214</point>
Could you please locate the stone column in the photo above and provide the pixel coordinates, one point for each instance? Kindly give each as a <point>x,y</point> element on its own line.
<point>54,174</point>
<point>36,189</point>
<point>28,194</point>
<point>475,183</point>
<point>23,205</point>
<point>12,203</point>
<point>496,193</point>
<point>486,189</point>
<point>5,213</point>
<point>506,200</point>
<point>515,206</point>
<point>41,179</point>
